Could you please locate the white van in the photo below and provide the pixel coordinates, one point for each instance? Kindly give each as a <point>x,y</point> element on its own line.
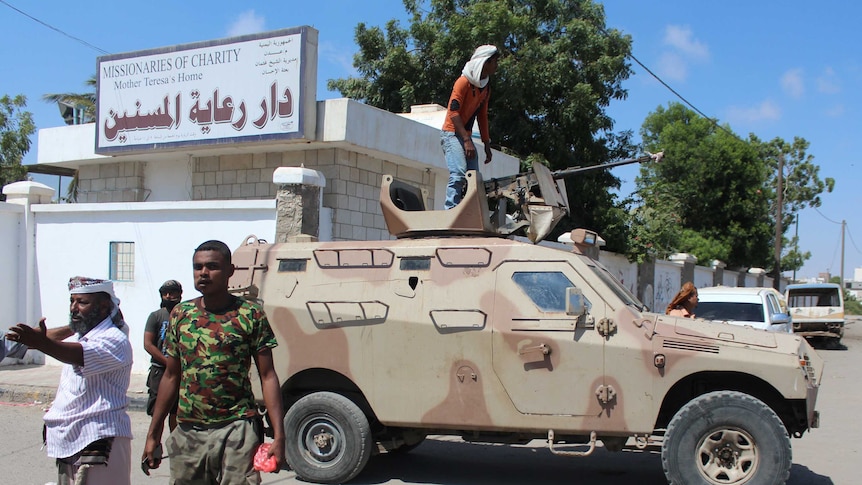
<point>756,307</point>
<point>817,309</point>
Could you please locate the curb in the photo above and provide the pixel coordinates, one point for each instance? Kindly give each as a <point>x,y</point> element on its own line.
<point>28,394</point>
<point>44,395</point>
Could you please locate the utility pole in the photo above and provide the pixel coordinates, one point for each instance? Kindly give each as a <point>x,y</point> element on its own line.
<point>796,244</point>
<point>779,203</point>
<point>841,282</point>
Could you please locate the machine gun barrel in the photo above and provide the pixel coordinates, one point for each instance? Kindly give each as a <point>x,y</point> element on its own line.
<point>559,174</point>
<point>491,185</point>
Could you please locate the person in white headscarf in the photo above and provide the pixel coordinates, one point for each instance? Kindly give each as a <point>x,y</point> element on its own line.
<point>467,103</point>
<point>88,430</point>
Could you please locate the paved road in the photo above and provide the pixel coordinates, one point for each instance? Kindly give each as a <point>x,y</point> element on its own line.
<point>826,456</point>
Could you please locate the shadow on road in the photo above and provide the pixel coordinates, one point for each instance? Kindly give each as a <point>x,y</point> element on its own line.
<point>800,475</point>
<point>460,463</point>
<point>824,343</point>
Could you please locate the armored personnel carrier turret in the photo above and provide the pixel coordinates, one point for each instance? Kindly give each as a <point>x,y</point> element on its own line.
<point>457,328</point>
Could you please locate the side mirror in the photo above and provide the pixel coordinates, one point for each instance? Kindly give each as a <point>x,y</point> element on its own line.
<point>575,302</point>
<point>780,318</point>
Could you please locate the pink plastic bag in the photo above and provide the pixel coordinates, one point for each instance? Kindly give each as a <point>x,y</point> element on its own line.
<point>261,462</point>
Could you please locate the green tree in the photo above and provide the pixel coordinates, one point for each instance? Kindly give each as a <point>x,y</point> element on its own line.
<point>655,225</point>
<point>793,259</point>
<point>559,70</point>
<point>716,185</point>
<point>802,187</point>
<point>852,306</point>
<point>86,102</point>
<point>83,101</point>
<point>16,126</point>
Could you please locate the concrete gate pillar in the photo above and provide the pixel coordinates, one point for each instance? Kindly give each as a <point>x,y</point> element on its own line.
<point>687,261</point>
<point>298,203</point>
<point>718,272</point>
<point>26,194</point>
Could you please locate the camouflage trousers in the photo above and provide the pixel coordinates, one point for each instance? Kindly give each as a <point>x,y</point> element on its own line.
<point>215,454</point>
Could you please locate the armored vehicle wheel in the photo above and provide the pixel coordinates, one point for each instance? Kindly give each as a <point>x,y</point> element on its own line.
<point>328,438</point>
<point>724,438</point>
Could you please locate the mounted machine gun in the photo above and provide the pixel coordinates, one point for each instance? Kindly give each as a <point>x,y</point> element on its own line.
<point>539,197</point>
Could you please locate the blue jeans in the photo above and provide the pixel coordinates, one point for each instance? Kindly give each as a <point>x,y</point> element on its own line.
<point>458,164</point>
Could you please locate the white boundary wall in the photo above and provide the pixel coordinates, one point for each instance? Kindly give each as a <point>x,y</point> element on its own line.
<point>620,267</point>
<point>73,239</point>
<point>11,256</point>
<point>667,284</point>
<point>703,276</point>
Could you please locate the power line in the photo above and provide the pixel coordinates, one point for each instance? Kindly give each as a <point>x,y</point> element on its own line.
<point>823,216</point>
<point>675,93</point>
<point>851,239</point>
<point>690,105</point>
<point>844,227</point>
<point>834,255</point>
<point>76,39</point>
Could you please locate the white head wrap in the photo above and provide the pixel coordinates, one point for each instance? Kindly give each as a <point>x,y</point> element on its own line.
<point>473,68</point>
<point>83,284</point>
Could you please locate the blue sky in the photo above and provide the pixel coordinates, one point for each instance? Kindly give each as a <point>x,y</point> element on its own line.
<point>781,69</point>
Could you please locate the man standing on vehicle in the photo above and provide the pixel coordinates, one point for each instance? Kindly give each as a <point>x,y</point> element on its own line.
<point>468,102</point>
<point>171,292</point>
<point>210,343</point>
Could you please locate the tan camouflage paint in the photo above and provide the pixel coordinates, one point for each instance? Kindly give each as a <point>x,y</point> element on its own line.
<point>417,373</point>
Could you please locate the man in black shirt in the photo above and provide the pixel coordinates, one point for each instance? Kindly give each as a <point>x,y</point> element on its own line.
<point>171,293</point>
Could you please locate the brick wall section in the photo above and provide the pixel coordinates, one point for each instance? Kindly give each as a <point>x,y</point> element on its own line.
<point>112,182</point>
<point>352,184</point>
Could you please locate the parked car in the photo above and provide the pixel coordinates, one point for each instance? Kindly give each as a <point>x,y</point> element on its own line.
<point>756,307</point>
<point>817,310</point>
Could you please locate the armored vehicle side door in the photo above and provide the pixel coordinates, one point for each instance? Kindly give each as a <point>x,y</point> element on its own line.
<point>549,362</point>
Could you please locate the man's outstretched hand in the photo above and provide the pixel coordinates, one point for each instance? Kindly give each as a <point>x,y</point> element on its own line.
<point>33,337</point>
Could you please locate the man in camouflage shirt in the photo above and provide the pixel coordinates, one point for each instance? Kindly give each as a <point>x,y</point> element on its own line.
<point>210,344</point>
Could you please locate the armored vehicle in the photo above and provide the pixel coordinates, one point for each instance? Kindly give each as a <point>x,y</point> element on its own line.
<point>454,328</point>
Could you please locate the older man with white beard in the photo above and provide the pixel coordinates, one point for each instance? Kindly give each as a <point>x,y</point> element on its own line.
<point>88,429</point>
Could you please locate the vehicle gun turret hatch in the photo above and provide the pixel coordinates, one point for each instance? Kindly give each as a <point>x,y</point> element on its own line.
<point>538,196</point>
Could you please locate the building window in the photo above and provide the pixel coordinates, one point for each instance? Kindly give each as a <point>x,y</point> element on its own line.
<point>122,261</point>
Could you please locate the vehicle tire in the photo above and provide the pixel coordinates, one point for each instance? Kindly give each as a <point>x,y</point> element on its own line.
<point>328,438</point>
<point>724,438</point>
